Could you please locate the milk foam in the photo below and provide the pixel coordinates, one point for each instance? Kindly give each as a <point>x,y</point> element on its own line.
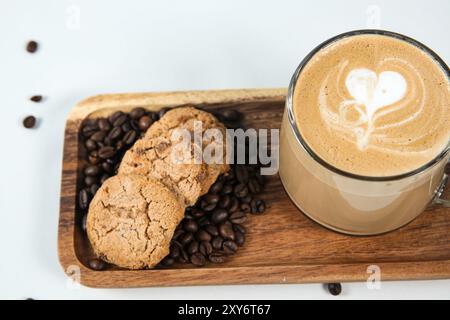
<point>373,105</point>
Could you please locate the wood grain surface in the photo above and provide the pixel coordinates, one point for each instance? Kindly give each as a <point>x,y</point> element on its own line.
<point>283,245</point>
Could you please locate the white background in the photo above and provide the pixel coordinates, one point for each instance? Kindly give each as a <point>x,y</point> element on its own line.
<point>131,46</point>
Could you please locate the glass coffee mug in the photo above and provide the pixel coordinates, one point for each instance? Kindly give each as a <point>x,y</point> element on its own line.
<point>349,203</point>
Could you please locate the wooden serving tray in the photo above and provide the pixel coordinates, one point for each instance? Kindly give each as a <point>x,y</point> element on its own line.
<point>283,245</point>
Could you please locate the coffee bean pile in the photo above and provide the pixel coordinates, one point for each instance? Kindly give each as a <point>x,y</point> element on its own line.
<point>212,229</point>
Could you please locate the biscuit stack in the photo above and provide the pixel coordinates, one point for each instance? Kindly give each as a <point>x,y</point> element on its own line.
<point>133,216</point>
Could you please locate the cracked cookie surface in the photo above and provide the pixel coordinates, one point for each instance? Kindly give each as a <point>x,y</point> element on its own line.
<point>131,221</point>
<point>153,155</point>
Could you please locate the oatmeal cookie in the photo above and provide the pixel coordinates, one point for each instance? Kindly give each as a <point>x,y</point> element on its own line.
<point>131,221</point>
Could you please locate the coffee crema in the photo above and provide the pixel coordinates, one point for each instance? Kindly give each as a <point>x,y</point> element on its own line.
<point>373,105</point>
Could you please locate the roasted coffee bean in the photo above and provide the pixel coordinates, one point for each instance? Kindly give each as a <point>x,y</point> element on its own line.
<point>246,199</point>
<point>107,167</point>
<point>204,221</point>
<point>97,264</point>
<point>83,222</point>
<point>238,217</point>
<point>103,178</point>
<point>174,251</point>
<point>98,136</point>
<point>227,189</point>
<point>162,112</point>
<point>181,259</point>
<point>120,120</point>
<point>126,127</point>
<point>198,259</point>
<point>253,186</point>
<point>145,122</point>
<point>29,122</point>
<point>190,226</point>
<point>202,235</point>
<point>205,248</point>
<point>211,198</point>
<point>212,230</point>
<point>217,257</point>
<point>88,130</point>
<point>154,116</point>
<point>230,115</point>
<point>219,216</point>
<point>229,247</point>
<point>241,174</point>
<point>183,256</point>
<point>197,213</point>
<point>239,238</point>
<point>90,145</point>
<point>93,157</point>
<point>257,206</point>
<point>89,181</point>
<point>224,201</point>
<point>226,231</point>
<point>36,98</point>
<point>93,189</point>
<point>136,113</point>
<point>83,199</point>
<point>207,206</point>
<point>186,238</point>
<point>216,242</point>
<point>240,190</point>
<point>177,234</point>
<point>246,207</point>
<point>334,288</point>
<point>115,133</point>
<point>32,46</point>
<point>167,262</point>
<point>239,228</point>
<point>104,125</point>
<point>192,247</point>
<point>234,204</point>
<point>91,171</point>
<point>115,116</point>
<point>216,187</point>
<point>106,152</point>
<point>119,145</point>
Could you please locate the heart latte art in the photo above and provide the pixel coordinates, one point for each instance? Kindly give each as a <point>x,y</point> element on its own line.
<point>373,105</point>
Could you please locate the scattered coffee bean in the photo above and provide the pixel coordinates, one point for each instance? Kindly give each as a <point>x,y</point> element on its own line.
<point>186,238</point>
<point>91,171</point>
<point>83,222</point>
<point>257,206</point>
<point>334,288</point>
<point>29,122</point>
<point>36,98</point>
<point>97,264</point>
<point>212,230</point>
<point>32,46</point>
<point>216,187</point>
<point>136,113</point>
<point>167,262</point>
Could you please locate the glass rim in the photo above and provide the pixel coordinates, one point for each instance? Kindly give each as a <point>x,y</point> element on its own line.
<point>312,154</point>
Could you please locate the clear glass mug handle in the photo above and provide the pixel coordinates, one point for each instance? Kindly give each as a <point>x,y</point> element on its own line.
<point>438,201</point>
